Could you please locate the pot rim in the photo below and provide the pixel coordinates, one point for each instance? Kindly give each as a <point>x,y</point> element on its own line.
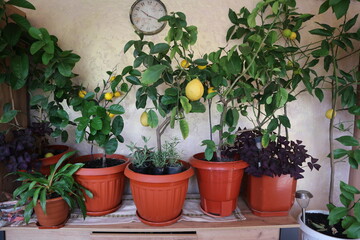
<point>304,228</point>
<point>201,164</point>
<point>148,178</point>
<point>100,171</point>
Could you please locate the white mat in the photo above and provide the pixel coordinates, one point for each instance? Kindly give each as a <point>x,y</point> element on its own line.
<point>127,214</point>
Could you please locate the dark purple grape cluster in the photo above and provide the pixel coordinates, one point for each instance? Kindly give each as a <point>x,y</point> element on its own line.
<point>41,129</point>
<point>18,154</point>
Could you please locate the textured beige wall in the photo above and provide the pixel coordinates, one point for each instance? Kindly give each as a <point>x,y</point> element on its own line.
<point>98,30</point>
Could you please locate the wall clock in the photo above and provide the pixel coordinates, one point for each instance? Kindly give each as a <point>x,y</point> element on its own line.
<point>144,16</point>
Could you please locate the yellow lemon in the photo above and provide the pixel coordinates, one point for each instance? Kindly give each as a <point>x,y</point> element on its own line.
<point>108,96</point>
<point>82,93</point>
<point>286,33</point>
<point>112,78</point>
<point>211,90</point>
<point>49,154</point>
<point>329,113</point>
<point>111,115</point>
<point>194,90</point>
<point>117,94</point>
<point>201,67</point>
<point>290,64</point>
<point>144,119</point>
<point>184,64</point>
<point>292,36</point>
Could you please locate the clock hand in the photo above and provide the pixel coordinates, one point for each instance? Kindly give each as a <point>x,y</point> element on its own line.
<point>149,15</point>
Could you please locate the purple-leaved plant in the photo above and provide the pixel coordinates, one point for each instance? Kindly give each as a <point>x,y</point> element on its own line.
<point>280,157</point>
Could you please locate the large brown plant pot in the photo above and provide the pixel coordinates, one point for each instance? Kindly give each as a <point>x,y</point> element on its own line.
<point>47,162</point>
<point>106,184</point>
<point>270,196</point>
<point>57,212</point>
<point>159,198</point>
<point>219,184</point>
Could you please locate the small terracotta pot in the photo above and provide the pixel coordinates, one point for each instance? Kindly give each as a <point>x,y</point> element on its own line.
<point>47,162</point>
<point>106,184</point>
<point>57,212</point>
<point>270,196</point>
<point>219,184</point>
<point>159,198</point>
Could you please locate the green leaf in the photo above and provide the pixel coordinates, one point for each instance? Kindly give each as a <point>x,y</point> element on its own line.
<point>111,146</point>
<point>185,104</point>
<point>36,46</point>
<point>265,139</point>
<point>336,214</point>
<point>333,2</point>
<point>251,20</point>
<point>348,141</point>
<point>184,128</point>
<point>284,120</point>
<point>341,8</point>
<point>117,125</point>
<point>96,123</point>
<point>65,69</point>
<point>133,80</point>
<point>8,116</point>
<point>152,119</point>
<point>127,46</point>
<point>160,48</point>
<point>35,33</point>
<point>349,24</point>
<point>152,74</point>
<point>357,211</point>
<point>353,231</point>
<point>232,16</point>
<point>319,94</point>
<point>21,3</point>
<point>209,153</point>
<point>281,97</point>
<point>348,188</point>
<point>275,7</point>
<point>321,32</point>
<point>355,110</point>
<point>116,109</point>
<point>20,20</point>
<point>272,125</point>
<point>339,153</point>
<point>172,117</point>
<point>324,7</point>
<point>20,66</point>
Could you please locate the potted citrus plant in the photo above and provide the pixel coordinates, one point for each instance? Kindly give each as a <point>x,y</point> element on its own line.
<point>52,196</point>
<point>101,125</point>
<point>252,81</point>
<point>341,222</point>
<point>159,192</point>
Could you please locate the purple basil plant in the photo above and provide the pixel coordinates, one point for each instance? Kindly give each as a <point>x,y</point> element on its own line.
<point>278,158</point>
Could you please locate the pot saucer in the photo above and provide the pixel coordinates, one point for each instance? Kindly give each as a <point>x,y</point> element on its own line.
<point>53,227</point>
<point>101,213</point>
<point>159,224</point>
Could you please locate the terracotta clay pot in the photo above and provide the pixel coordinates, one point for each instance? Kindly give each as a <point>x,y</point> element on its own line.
<point>47,162</point>
<point>106,184</point>
<point>159,198</point>
<point>270,196</point>
<point>57,212</point>
<point>219,184</point>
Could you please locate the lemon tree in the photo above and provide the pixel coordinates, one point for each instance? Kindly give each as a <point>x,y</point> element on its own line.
<point>101,120</point>
<point>251,75</point>
<point>171,66</point>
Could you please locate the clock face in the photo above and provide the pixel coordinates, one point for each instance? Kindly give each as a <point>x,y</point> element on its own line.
<point>144,16</point>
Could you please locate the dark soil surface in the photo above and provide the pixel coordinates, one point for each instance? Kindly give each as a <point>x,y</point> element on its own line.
<point>97,163</point>
<point>321,219</point>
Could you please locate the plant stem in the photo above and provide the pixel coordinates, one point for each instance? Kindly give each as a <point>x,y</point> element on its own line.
<point>160,130</point>
<point>210,120</point>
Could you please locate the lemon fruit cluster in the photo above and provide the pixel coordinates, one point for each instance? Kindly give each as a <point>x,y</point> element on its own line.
<point>194,90</point>
<point>82,93</point>
<point>287,33</point>
<point>184,64</point>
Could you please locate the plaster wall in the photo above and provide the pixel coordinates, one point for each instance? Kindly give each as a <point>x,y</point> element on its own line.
<point>98,30</point>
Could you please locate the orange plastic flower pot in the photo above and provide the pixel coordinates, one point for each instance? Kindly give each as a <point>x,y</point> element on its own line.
<point>106,184</point>
<point>47,162</point>
<point>159,198</point>
<point>219,184</point>
<point>57,212</point>
<point>270,196</point>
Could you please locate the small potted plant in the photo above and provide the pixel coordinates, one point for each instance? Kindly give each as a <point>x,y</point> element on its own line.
<point>51,197</point>
<point>158,193</point>
<point>272,172</point>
